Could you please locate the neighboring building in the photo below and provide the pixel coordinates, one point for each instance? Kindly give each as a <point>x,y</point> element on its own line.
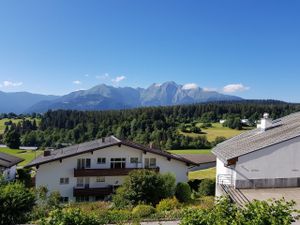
<point>245,122</point>
<point>266,157</point>
<point>8,166</point>
<point>92,170</point>
<point>203,161</point>
<point>222,121</point>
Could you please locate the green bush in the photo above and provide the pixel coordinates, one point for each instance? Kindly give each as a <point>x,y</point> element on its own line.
<point>16,202</point>
<point>69,217</point>
<point>45,202</point>
<point>207,187</point>
<point>141,211</point>
<point>144,186</point>
<point>183,192</point>
<point>167,204</point>
<point>278,212</point>
<point>116,216</point>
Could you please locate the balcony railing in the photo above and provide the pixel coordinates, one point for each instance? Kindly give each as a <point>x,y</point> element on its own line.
<point>92,191</point>
<point>107,172</point>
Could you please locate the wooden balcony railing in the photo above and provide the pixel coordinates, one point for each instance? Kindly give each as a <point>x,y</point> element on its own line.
<point>92,191</point>
<point>107,172</point>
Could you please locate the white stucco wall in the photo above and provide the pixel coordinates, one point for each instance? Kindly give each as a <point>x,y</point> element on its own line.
<point>49,174</point>
<point>278,161</point>
<point>10,173</point>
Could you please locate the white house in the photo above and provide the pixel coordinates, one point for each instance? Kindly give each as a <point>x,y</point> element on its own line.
<point>92,170</point>
<point>266,157</point>
<point>8,166</point>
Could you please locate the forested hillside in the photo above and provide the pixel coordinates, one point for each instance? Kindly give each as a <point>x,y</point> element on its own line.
<point>157,125</point>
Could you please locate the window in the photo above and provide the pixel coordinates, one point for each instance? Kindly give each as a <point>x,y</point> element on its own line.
<point>80,182</point>
<point>117,163</point>
<point>83,163</point>
<point>64,199</point>
<point>150,162</point>
<point>82,198</point>
<point>100,179</point>
<point>134,160</point>
<point>101,160</point>
<point>64,180</point>
<point>83,182</point>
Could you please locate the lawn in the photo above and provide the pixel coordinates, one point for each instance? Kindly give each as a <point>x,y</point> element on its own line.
<point>216,130</point>
<point>28,155</point>
<point>190,151</point>
<point>202,174</point>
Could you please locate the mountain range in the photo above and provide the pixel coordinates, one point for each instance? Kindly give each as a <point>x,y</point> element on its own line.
<point>105,97</point>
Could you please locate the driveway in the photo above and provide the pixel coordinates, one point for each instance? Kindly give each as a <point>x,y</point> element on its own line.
<point>269,193</point>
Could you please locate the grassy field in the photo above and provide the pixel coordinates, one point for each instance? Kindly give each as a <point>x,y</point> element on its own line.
<point>2,121</point>
<point>190,151</point>
<point>216,130</point>
<point>27,155</point>
<point>202,174</point>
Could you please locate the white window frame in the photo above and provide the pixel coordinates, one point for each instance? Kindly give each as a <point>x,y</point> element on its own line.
<point>114,161</point>
<point>100,179</point>
<point>101,160</point>
<point>64,180</point>
<point>150,163</point>
<point>134,160</point>
<point>84,163</point>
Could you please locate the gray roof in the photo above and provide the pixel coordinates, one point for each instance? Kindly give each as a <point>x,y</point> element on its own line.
<point>200,158</point>
<point>7,160</point>
<point>96,145</point>
<point>282,129</point>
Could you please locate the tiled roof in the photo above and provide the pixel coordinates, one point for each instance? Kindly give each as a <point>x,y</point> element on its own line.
<point>200,158</point>
<point>7,160</point>
<point>96,145</point>
<point>282,129</point>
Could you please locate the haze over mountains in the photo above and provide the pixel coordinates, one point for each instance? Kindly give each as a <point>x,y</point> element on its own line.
<point>104,97</point>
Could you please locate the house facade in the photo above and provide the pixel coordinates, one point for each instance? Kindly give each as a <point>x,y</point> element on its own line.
<point>266,157</point>
<point>8,166</point>
<point>93,170</point>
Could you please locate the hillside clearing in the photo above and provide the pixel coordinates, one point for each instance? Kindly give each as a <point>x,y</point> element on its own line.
<point>2,122</point>
<point>217,130</point>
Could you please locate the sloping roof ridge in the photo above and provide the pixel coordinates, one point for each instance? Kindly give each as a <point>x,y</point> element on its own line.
<point>285,129</point>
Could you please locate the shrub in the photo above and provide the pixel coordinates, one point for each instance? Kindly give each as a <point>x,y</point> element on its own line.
<point>142,211</point>
<point>276,212</point>
<point>115,216</point>
<point>183,192</point>
<point>144,186</point>
<point>167,204</point>
<point>207,187</point>
<point>45,202</point>
<point>16,202</point>
<point>69,217</point>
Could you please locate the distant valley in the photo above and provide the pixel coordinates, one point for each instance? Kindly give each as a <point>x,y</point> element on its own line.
<point>104,97</point>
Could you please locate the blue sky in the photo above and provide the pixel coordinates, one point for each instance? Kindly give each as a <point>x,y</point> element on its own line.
<point>55,46</point>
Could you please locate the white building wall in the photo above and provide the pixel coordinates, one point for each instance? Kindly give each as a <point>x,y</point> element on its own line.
<point>277,161</point>
<point>49,174</point>
<point>9,174</point>
<point>224,175</point>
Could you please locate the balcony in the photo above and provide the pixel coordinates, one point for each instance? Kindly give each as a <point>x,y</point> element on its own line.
<point>92,191</point>
<point>107,172</point>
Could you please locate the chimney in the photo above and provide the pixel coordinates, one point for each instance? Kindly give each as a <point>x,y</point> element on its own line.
<point>47,152</point>
<point>103,140</point>
<point>265,122</point>
<point>150,145</point>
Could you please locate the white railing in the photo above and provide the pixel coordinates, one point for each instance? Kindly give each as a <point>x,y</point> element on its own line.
<point>225,179</point>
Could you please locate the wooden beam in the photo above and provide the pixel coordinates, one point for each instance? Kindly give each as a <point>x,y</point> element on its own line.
<point>232,161</point>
